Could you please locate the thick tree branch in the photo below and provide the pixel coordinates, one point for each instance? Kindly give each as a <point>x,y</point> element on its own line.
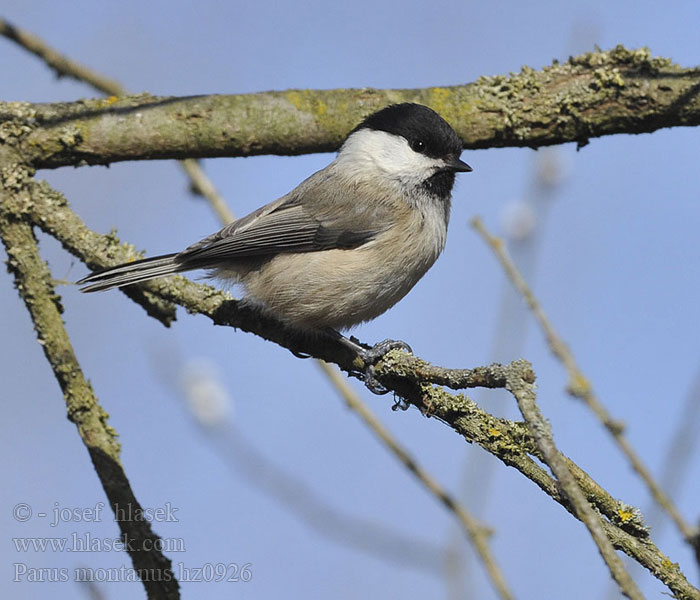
<point>599,93</point>
<point>34,284</point>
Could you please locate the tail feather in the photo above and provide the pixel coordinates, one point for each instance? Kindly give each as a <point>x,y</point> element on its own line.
<point>133,272</point>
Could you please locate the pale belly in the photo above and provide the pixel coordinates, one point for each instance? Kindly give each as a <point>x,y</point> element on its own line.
<point>339,288</point>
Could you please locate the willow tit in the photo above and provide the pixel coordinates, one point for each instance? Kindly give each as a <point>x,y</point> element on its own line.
<point>347,243</point>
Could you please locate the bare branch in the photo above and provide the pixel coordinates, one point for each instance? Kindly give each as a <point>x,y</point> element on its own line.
<point>200,184</point>
<point>62,65</point>
<point>599,93</point>
<point>510,442</point>
<point>522,386</point>
<point>34,284</point>
<point>365,535</point>
<point>683,445</point>
<point>580,387</point>
<point>476,532</point>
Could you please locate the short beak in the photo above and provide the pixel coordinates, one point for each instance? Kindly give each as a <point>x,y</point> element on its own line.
<point>457,165</point>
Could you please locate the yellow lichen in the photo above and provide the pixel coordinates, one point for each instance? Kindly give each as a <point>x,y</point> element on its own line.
<point>439,99</point>
<point>668,564</point>
<point>606,78</point>
<point>295,97</point>
<point>625,515</point>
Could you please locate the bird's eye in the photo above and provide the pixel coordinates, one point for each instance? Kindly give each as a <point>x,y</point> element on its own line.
<point>418,146</point>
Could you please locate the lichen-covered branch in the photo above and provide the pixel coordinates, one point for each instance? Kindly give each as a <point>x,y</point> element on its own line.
<point>34,285</point>
<point>476,533</point>
<point>595,94</point>
<point>580,387</point>
<point>522,386</point>
<point>409,377</point>
<point>514,444</point>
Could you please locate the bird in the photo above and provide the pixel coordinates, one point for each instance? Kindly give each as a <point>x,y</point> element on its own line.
<point>347,243</point>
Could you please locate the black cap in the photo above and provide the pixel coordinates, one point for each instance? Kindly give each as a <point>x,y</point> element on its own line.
<point>418,124</point>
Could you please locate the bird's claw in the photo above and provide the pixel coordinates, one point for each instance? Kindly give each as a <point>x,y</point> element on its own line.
<point>373,355</point>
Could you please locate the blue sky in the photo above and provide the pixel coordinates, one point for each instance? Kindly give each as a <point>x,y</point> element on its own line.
<point>617,271</point>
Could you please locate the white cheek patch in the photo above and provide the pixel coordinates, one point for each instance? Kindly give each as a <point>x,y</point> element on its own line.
<point>381,153</point>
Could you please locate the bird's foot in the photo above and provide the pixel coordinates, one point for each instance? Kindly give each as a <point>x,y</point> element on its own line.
<point>371,356</point>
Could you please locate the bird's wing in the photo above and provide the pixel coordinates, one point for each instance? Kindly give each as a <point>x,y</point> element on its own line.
<point>291,224</point>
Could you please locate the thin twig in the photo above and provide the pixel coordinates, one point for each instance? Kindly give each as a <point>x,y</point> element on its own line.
<point>521,385</point>
<point>92,589</point>
<point>682,446</point>
<point>476,532</point>
<point>208,405</point>
<point>579,386</point>
<point>371,537</point>
<point>200,184</point>
<point>64,67</point>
